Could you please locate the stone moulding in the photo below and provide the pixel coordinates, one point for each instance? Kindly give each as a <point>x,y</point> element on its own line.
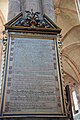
<point>32,24</point>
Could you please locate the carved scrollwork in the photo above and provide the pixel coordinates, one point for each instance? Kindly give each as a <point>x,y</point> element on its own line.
<point>32,20</point>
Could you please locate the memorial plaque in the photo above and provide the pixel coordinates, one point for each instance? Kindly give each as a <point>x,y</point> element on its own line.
<point>32,81</point>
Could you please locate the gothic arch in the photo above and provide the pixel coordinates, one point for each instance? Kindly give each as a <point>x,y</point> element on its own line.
<point>69,79</point>
<point>71,54</point>
<point>71,47</point>
<point>72,30</point>
<point>73,66</point>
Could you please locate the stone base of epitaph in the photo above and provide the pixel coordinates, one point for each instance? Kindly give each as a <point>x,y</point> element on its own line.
<point>38,119</point>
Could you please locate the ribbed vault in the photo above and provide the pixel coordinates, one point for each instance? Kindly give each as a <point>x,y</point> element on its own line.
<point>66,14</point>
<point>67,19</point>
<point>71,52</point>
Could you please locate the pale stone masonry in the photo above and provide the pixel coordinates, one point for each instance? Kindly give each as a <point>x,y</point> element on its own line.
<point>42,6</point>
<point>48,8</point>
<point>33,4</point>
<point>13,8</point>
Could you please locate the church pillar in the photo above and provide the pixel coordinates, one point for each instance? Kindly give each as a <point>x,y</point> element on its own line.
<point>48,8</point>
<point>13,8</point>
<point>33,4</point>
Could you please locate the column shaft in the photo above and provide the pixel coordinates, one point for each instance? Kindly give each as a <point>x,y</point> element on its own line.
<point>13,8</point>
<point>33,4</point>
<point>48,8</point>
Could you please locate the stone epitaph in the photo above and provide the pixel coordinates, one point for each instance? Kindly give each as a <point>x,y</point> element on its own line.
<point>32,85</point>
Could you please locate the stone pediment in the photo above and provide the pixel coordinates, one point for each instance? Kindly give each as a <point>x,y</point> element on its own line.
<point>32,24</point>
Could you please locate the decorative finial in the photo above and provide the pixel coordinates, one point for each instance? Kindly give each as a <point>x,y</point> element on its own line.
<point>32,15</point>
<point>32,20</point>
